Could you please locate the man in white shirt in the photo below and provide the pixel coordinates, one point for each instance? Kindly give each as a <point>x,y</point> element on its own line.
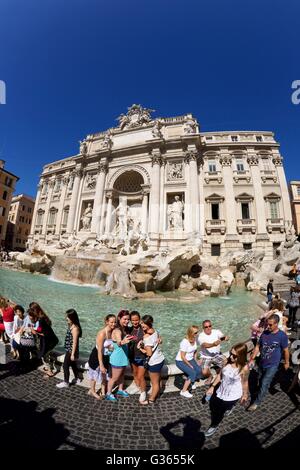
<point>210,340</point>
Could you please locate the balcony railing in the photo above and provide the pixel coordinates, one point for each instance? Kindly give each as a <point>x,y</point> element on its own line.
<point>213,176</point>
<point>246,225</point>
<point>241,175</point>
<point>215,225</point>
<point>275,223</point>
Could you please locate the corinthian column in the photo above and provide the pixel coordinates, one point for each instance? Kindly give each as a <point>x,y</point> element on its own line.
<point>46,214</point>
<point>65,182</point>
<point>258,195</point>
<point>226,161</point>
<point>109,211</point>
<point>145,211</point>
<point>36,207</point>
<point>287,213</point>
<point>155,193</point>
<point>75,194</point>
<point>191,158</point>
<point>98,201</point>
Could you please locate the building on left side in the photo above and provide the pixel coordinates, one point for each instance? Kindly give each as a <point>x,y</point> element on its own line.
<point>7,187</point>
<point>19,222</point>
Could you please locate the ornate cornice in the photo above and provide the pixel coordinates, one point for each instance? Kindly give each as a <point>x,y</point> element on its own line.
<point>66,180</point>
<point>277,160</point>
<point>226,160</point>
<point>253,160</point>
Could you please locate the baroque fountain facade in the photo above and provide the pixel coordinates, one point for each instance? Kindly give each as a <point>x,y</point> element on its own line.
<point>141,202</point>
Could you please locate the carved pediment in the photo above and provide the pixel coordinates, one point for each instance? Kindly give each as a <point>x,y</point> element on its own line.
<point>214,197</point>
<point>244,197</point>
<point>272,196</point>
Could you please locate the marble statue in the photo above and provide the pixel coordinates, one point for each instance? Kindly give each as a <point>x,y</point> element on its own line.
<point>156,131</point>
<point>175,214</point>
<point>86,218</point>
<point>83,147</point>
<point>190,126</point>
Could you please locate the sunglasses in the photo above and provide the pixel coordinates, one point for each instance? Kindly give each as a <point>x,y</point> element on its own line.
<point>196,332</point>
<point>207,326</point>
<point>233,355</point>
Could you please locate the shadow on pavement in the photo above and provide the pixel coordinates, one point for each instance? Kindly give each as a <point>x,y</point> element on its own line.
<point>190,437</point>
<point>33,429</point>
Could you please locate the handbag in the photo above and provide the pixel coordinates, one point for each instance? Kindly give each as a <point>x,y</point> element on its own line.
<point>27,341</point>
<point>147,359</point>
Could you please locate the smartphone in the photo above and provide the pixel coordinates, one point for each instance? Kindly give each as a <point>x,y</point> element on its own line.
<point>222,338</point>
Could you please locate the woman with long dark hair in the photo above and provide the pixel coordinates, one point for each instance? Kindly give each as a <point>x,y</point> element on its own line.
<point>136,357</point>
<point>119,357</point>
<point>232,383</point>
<point>74,332</point>
<point>150,347</point>
<point>99,358</point>
<point>47,338</point>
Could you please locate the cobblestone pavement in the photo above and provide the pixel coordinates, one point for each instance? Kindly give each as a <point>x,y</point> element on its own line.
<point>43,416</point>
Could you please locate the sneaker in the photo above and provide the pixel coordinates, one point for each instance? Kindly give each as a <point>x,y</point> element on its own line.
<point>210,432</point>
<point>143,396</point>
<point>194,386</point>
<point>121,393</point>
<point>186,394</point>
<point>228,412</point>
<point>75,381</point>
<point>252,407</point>
<point>62,385</point>
<point>111,397</point>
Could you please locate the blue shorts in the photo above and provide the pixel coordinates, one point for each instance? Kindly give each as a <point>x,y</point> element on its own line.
<point>117,367</point>
<point>156,367</point>
<point>138,361</point>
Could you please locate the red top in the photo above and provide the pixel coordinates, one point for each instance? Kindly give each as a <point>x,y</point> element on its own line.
<point>8,314</point>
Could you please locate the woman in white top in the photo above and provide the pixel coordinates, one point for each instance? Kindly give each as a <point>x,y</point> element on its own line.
<point>99,358</point>
<point>150,346</point>
<point>186,360</point>
<point>233,386</point>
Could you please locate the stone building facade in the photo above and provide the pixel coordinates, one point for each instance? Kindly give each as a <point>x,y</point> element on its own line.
<point>295,202</point>
<point>166,180</point>
<point>7,186</point>
<point>19,222</point>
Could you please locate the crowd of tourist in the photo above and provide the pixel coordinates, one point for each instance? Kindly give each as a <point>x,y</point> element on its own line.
<point>131,339</point>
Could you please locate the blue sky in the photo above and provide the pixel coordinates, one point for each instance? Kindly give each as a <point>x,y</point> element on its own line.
<point>71,67</point>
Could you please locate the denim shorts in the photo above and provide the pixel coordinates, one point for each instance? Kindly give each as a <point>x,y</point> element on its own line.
<point>138,361</point>
<point>156,367</point>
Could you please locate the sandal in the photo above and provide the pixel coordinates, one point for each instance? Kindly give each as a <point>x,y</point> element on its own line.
<point>48,372</point>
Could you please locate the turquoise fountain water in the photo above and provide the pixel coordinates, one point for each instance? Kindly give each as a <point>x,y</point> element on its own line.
<point>232,315</point>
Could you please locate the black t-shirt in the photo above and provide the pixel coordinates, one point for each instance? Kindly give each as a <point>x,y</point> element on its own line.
<point>270,288</point>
